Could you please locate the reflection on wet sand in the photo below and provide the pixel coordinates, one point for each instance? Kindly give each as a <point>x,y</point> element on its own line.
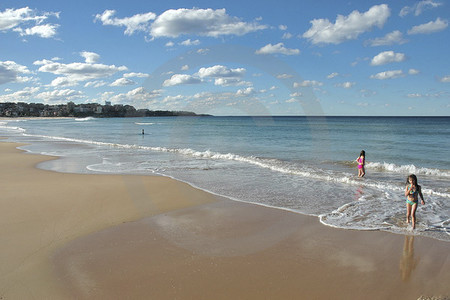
<point>408,263</point>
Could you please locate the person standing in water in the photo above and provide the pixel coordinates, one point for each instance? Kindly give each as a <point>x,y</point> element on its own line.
<point>361,160</point>
<point>412,193</point>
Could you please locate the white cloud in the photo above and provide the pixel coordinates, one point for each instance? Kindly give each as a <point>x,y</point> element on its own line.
<point>63,81</point>
<point>419,7</point>
<point>90,57</point>
<point>13,19</point>
<point>10,71</point>
<point>44,31</point>
<point>388,75</point>
<point>24,95</point>
<point>347,28</point>
<point>413,72</point>
<point>59,96</point>
<point>332,75</point>
<point>284,76</point>
<point>138,22</point>
<point>387,57</point>
<point>346,85</point>
<point>95,83</point>
<point>170,44</point>
<point>430,27</point>
<point>122,82</point>
<point>134,74</point>
<point>278,48</point>
<point>245,92</point>
<point>296,94</point>
<point>392,38</point>
<point>76,72</point>
<point>287,36</point>
<point>185,68</point>
<point>220,71</point>
<point>307,83</point>
<point>231,82</point>
<point>203,22</point>
<point>138,97</point>
<point>282,27</point>
<point>179,79</point>
<point>189,42</point>
<point>445,79</point>
<point>203,51</point>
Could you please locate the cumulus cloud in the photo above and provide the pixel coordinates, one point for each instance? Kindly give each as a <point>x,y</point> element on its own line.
<point>347,27</point>
<point>59,96</point>
<point>284,76</point>
<point>179,79</point>
<point>346,85</point>
<point>231,82</point>
<point>10,72</point>
<point>76,72</point>
<point>307,83</point>
<point>24,95</point>
<point>277,49</point>
<point>95,83</point>
<point>388,75</point>
<point>245,92</point>
<point>138,97</point>
<point>90,57</point>
<point>134,74</point>
<point>203,22</point>
<point>189,42</point>
<point>445,79</point>
<point>220,71</point>
<point>413,72</point>
<point>387,57</point>
<point>419,7</point>
<point>170,44</point>
<point>27,21</point>
<point>138,22</point>
<point>122,82</point>
<point>430,27</point>
<point>392,38</point>
<point>287,36</point>
<point>332,75</point>
<point>44,31</point>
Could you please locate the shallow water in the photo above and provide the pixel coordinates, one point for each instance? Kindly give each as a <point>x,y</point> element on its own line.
<point>303,164</point>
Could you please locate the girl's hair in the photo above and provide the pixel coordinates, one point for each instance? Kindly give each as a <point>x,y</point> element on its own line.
<point>413,177</point>
<point>363,153</point>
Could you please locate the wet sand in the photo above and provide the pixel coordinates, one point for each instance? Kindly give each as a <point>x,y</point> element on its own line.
<point>71,236</point>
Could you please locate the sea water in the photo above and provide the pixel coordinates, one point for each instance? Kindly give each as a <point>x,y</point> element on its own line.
<point>301,164</point>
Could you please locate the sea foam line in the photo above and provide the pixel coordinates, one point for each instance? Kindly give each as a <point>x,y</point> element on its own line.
<point>411,169</point>
<point>271,164</point>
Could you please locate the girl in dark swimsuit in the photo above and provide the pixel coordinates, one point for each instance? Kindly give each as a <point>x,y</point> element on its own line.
<point>412,193</point>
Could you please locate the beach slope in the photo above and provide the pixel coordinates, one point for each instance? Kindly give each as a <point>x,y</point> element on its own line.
<point>70,236</point>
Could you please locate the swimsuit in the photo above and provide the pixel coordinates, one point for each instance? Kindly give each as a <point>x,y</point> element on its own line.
<point>360,163</point>
<point>412,193</point>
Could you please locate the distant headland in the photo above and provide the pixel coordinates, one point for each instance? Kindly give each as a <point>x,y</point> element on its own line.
<point>21,109</point>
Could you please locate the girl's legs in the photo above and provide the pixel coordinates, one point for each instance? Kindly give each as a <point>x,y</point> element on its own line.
<point>408,212</point>
<point>363,172</point>
<point>413,214</point>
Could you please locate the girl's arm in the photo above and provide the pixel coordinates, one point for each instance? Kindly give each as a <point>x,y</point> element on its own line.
<point>407,190</point>
<point>421,196</point>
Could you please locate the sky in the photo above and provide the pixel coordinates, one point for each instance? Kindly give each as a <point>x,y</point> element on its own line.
<point>321,57</point>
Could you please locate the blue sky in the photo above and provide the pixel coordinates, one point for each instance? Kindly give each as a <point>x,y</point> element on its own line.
<point>230,57</point>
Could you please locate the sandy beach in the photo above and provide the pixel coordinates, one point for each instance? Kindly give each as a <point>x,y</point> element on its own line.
<point>72,236</point>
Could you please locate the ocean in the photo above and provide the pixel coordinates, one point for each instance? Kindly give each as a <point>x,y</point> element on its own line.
<point>301,164</point>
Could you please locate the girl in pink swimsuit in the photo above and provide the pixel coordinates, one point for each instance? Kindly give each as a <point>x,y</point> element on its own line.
<point>412,193</point>
<point>361,160</point>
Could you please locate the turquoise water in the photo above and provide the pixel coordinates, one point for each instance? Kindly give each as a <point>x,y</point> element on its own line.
<point>302,164</point>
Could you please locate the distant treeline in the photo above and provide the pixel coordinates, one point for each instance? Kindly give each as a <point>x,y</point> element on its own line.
<point>21,109</point>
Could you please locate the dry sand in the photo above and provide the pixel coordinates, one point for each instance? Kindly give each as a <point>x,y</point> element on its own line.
<point>70,236</point>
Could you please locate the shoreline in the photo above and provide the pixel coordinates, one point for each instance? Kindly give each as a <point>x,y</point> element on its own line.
<point>97,236</point>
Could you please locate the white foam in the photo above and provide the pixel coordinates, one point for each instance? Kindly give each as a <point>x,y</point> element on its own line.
<point>410,169</point>
<point>137,123</point>
<point>84,119</point>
